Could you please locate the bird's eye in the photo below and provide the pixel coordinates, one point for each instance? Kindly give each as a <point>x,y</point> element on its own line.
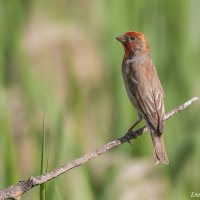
<point>132,38</point>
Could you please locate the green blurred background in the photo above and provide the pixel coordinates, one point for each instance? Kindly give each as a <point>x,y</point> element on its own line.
<point>60,74</point>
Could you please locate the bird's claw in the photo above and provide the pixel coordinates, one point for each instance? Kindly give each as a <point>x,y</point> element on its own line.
<point>130,135</point>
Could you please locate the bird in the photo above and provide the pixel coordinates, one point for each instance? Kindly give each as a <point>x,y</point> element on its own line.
<point>144,88</point>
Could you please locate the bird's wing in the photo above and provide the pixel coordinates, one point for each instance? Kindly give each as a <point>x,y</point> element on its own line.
<point>147,90</point>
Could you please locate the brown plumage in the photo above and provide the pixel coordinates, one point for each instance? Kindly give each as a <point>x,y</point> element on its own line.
<point>144,88</point>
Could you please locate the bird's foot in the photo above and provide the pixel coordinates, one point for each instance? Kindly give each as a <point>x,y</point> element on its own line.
<point>130,135</point>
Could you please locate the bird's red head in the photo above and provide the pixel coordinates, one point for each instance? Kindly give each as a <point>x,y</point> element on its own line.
<point>133,42</point>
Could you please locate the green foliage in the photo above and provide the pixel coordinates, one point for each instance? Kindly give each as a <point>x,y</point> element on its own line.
<point>70,46</point>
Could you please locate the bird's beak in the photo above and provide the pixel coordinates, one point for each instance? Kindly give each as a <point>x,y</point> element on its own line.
<point>121,38</point>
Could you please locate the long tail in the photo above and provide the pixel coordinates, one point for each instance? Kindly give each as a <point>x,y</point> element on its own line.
<point>159,149</point>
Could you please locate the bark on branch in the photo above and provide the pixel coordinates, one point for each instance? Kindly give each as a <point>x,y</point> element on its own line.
<point>15,191</point>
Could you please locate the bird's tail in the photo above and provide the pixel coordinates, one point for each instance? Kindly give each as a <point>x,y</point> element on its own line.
<point>159,149</point>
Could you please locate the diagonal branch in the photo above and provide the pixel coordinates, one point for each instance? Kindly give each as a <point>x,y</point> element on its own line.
<point>15,191</point>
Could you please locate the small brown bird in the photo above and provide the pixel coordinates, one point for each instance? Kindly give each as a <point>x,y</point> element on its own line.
<point>144,88</point>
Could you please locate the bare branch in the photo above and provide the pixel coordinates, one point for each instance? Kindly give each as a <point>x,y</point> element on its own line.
<point>15,191</point>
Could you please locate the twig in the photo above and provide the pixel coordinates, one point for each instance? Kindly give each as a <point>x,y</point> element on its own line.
<point>15,191</point>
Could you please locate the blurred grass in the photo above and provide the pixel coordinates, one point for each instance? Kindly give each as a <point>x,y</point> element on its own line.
<point>44,161</point>
<point>71,46</point>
